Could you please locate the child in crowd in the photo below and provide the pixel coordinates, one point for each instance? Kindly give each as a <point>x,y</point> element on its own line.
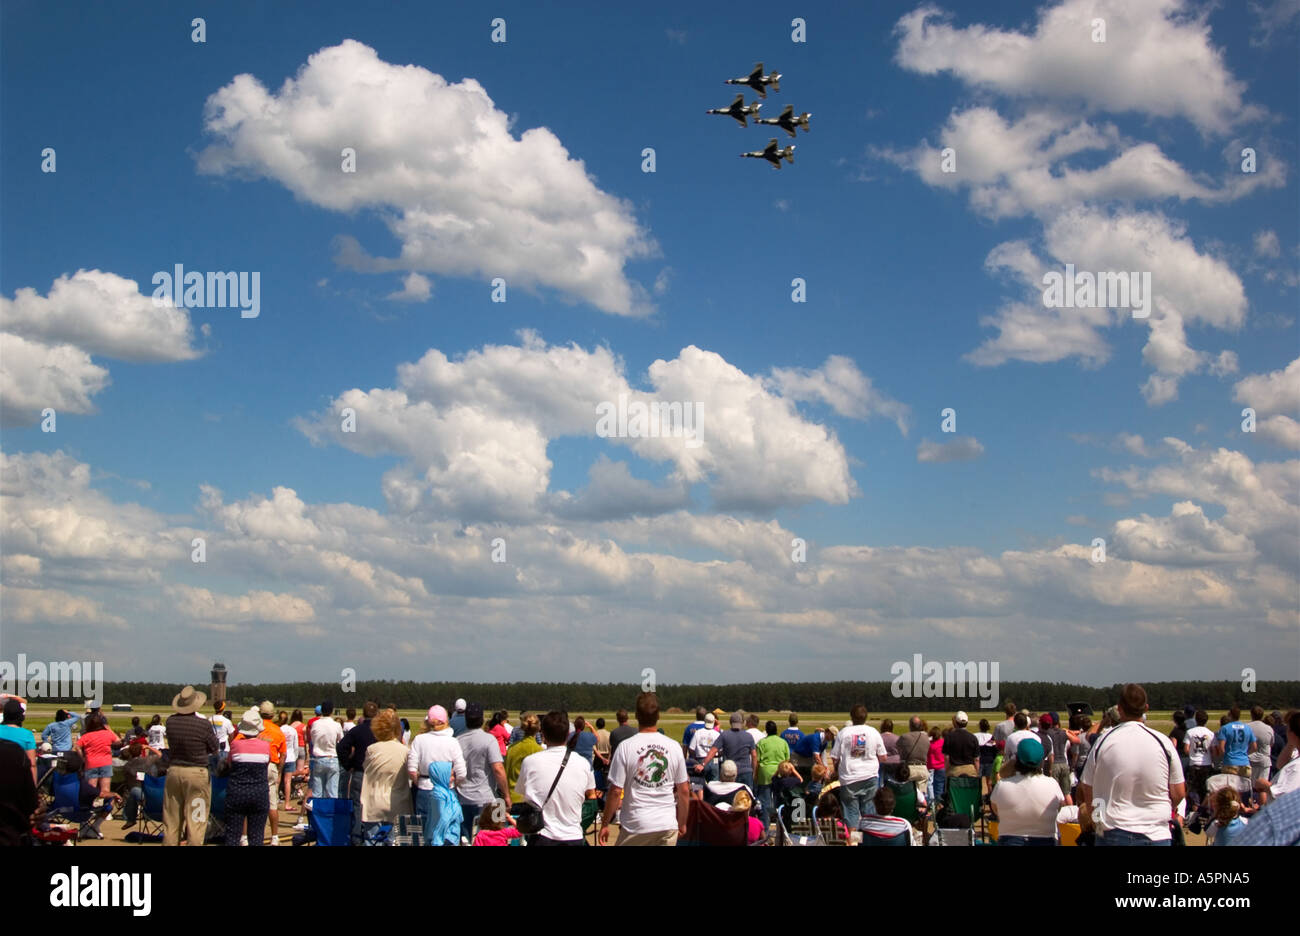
<point>494,832</point>
<point>1228,823</point>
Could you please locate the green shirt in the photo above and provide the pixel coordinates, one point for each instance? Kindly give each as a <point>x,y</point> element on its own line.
<point>515,755</point>
<point>772,750</point>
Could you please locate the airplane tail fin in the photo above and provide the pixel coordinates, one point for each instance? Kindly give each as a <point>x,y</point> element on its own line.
<point>789,154</point>
<point>803,120</point>
<point>776,82</point>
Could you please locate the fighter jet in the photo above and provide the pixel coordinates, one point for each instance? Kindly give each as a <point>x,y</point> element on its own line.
<point>758,81</point>
<point>787,121</point>
<point>772,154</point>
<point>738,110</point>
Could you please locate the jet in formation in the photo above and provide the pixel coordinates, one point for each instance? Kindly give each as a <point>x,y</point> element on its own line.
<point>758,81</point>
<point>772,154</point>
<point>786,120</point>
<point>738,110</point>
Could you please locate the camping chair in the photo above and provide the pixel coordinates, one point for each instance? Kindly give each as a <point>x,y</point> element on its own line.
<point>830,829</point>
<point>708,825</point>
<point>962,798</point>
<point>591,810</point>
<point>905,802</point>
<point>217,812</point>
<point>150,815</point>
<point>67,803</point>
<point>329,821</point>
<point>903,838</point>
<point>407,831</point>
<point>790,831</point>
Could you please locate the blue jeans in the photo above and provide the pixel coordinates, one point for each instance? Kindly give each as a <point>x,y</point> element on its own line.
<point>468,813</point>
<point>134,800</point>
<point>746,777</point>
<point>1121,837</point>
<point>325,777</point>
<point>857,800</point>
<point>934,790</point>
<point>1025,840</point>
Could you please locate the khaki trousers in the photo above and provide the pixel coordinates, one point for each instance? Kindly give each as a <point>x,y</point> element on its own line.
<point>186,801</point>
<point>668,837</point>
<point>963,770</point>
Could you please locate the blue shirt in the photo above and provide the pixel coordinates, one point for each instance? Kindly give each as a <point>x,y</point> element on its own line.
<point>585,744</point>
<point>1278,823</point>
<point>811,744</point>
<point>1237,739</point>
<point>457,725</point>
<point>690,732</point>
<point>1230,833</point>
<point>19,735</point>
<point>59,734</point>
<point>792,736</point>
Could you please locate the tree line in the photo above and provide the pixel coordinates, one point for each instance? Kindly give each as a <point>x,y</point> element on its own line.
<point>756,696</point>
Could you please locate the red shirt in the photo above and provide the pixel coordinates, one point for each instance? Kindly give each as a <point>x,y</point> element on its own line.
<point>97,746</point>
<point>502,734</point>
<point>936,754</point>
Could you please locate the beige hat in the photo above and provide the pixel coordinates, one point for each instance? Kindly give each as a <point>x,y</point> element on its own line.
<point>266,709</point>
<point>188,701</point>
<point>251,724</point>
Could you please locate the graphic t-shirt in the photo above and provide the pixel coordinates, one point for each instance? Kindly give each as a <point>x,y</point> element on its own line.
<point>648,768</point>
<point>157,737</point>
<point>858,751</point>
<point>223,729</point>
<point>1237,739</point>
<point>792,736</point>
<point>1199,741</point>
<point>701,741</point>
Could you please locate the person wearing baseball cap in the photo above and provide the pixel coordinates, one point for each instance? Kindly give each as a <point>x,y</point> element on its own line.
<point>247,797</point>
<point>1026,803</point>
<point>961,749</point>
<point>190,742</point>
<point>12,730</point>
<point>457,721</point>
<point>273,735</point>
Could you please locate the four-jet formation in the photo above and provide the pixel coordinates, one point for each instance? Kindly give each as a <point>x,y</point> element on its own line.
<point>740,112</point>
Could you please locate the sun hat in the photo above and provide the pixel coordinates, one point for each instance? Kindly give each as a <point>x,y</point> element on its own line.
<point>188,701</point>
<point>251,724</point>
<point>266,709</point>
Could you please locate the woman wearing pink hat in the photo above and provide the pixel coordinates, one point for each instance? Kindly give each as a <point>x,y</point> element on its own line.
<point>436,745</point>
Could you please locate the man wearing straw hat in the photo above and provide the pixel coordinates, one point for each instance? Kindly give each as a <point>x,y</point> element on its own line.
<point>188,793</point>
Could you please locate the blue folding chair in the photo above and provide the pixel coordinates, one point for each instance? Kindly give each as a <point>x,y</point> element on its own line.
<point>150,816</point>
<point>217,812</point>
<point>67,802</point>
<point>329,821</point>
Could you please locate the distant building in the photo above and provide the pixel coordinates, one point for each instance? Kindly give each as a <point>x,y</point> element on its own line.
<point>218,687</point>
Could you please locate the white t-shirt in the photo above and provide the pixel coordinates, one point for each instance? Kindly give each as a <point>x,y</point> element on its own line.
<point>348,726</point>
<point>1013,742</point>
<point>431,747</point>
<point>1288,778</point>
<point>157,737</point>
<point>1199,740</point>
<point>223,729</point>
<point>563,811</point>
<point>325,736</point>
<point>290,746</point>
<point>701,741</point>
<point>648,767</point>
<point>1130,770</point>
<point>983,737</point>
<point>758,734</point>
<point>1027,805</point>
<point>858,751</point>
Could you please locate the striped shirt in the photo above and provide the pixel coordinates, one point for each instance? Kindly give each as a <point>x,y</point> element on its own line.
<point>244,750</point>
<point>190,740</point>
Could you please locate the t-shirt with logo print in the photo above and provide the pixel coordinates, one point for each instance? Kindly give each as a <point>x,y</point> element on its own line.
<point>858,751</point>
<point>1199,741</point>
<point>1237,739</point>
<point>648,768</point>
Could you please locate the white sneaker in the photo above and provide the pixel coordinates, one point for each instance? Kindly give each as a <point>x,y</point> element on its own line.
<point>275,840</point>
<point>243,840</point>
<point>300,827</point>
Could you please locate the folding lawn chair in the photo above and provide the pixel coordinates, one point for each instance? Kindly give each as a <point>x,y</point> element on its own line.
<point>217,812</point>
<point>150,816</point>
<point>791,831</point>
<point>708,825</point>
<point>67,803</point>
<point>329,821</point>
<point>830,829</point>
<point>963,798</point>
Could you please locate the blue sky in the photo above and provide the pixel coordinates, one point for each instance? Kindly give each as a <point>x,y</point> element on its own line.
<point>901,289</point>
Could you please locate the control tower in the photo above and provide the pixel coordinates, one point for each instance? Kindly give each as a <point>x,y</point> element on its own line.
<point>218,693</point>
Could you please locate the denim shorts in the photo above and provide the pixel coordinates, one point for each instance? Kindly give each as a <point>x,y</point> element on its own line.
<point>94,773</point>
